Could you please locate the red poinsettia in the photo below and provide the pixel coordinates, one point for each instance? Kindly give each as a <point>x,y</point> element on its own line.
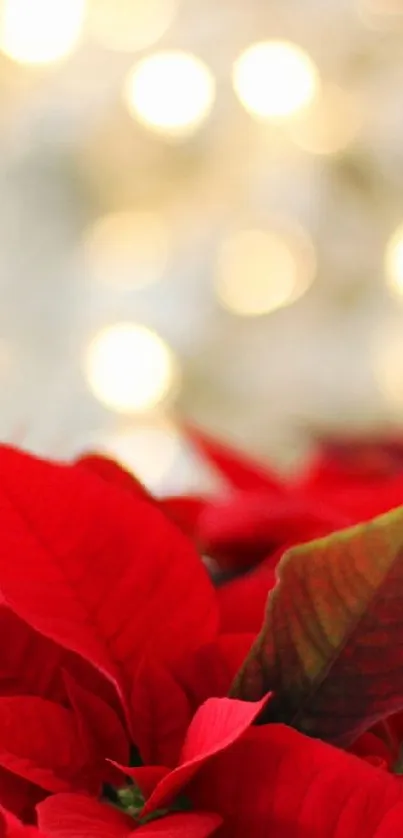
<point>110,626</point>
<point>271,781</point>
<point>246,530</point>
<point>348,482</point>
<point>74,816</point>
<point>84,572</point>
<point>243,532</point>
<point>114,671</point>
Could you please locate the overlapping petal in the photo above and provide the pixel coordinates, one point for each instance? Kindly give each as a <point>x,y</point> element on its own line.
<point>275,781</point>
<point>216,726</point>
<point>73,816</point>
<point>40,742</point>
<point>90,567</point>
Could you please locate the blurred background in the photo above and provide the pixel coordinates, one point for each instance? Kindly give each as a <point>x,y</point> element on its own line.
<point>201,216</point>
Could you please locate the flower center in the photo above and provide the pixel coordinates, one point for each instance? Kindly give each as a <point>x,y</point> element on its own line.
<point>130,800</point>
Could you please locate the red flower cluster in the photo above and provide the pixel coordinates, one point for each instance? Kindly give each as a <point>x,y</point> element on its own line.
<point>137,696</point>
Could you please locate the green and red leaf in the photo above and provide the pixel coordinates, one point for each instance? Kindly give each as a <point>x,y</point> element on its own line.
<point>330,646</point>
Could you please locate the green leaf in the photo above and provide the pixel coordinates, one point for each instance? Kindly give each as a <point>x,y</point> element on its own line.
<point>331,646</point>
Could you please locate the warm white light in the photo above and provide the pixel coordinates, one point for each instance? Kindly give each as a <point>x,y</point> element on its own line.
<point>40,31</point>
<point>259,271</point>
<point>129,25</point>
<point>275,79</point>
<point>127,248</point>
<point>389,368</point>
<point>149,451</point>
<point>385,7</point>
<point>170,92</point>
<point>394,262</point>
<point>328,125</point>
<point>380,13</point>
<point>129,368</point>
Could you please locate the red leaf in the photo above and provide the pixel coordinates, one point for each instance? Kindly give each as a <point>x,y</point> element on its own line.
<point>39,741</point>
<point>242,601</point>
<point>12,827</point>
<point>394,732</point>
<point>33,664</point>
<point>357,460</point>
<point>330,645</point>
<point>99,728</point>
<point>114,473</point>
<point>369,746</point>
<point>239,470</point>
<point>274,781</point>
<point>194,825</point>
<point>161,714</point>
<point>75,816</point>
<point>245,528</point>
<point>233,649</point>
<point>210,671</point>
<point>216,725</point>
<point>30,664</point>
<point>18,795</point>
<point>99,571</point>
<point>359,497</point>
<point>364,505</point>
<point>78,816</point>
<point>185,511</point>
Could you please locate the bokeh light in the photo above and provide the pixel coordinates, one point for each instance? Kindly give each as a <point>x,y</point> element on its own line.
<point>170,92</point>
<point>40,31</point>
<point>261,270</point>
<point>329,124</point>
<point>394,262</point>
<point>275,79</point>
<point>130,25</point>
<point>129,368</point>
<point>127,249</point>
